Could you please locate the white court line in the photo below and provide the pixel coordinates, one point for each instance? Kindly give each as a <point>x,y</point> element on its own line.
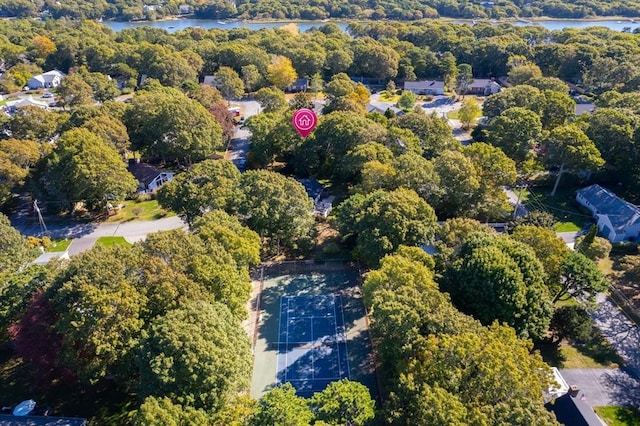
<point>279,335</point>
<point>345,340</point>
<point>286,349</point>
<point>313,371</point>
<point>335,326</point>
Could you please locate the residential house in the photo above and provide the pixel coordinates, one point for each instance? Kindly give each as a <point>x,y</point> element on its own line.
<point>383,107</point>
<point>322,202</point>
<point>300,85</point>
<point>568,405</point>
<point>184,9</point>
<point>47,80</point>
<point>149,177</point>
<point>617,219</point>
<point>10,107</point>
<point>211,80</point>
<point>587,108</point>
<point>483,87</point>
<point>425,87</point>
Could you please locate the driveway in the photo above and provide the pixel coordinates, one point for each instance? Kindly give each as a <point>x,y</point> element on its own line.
<point>604,386</point>
<point>611,386</point>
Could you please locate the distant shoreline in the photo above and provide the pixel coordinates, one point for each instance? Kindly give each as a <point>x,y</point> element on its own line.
<point>343,20</point>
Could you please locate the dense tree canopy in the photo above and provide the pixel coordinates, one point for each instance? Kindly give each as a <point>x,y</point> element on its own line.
<point>169,126</point>
<point>196,355</point>
<point>381,221</point>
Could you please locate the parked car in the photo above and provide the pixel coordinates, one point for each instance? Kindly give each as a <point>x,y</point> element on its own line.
<point>47,95</point>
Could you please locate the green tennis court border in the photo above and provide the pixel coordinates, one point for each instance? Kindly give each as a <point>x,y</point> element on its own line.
<point>342,282</point>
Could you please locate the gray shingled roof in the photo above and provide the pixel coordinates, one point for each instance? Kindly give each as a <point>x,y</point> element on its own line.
<point>621,213</point>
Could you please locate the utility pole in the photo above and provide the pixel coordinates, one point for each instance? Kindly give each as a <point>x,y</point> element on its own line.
<point>43,226</point>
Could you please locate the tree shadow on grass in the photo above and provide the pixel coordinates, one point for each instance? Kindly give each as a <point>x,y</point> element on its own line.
<point>551,353</point>
<point>598,349</point>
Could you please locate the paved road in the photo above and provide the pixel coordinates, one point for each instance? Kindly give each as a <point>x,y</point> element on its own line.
<point>85,236</point>
<point>620,331</point>
<point>611,386</point>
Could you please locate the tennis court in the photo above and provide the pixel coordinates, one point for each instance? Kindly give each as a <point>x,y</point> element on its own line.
<point>312,348</point>
<point>311,331</point>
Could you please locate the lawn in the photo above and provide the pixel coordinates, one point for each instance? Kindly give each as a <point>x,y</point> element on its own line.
<point>563,206</point>
<point>453,115</point>
<point>619,416</point>
<point>59,245</point>
<point>112,241</point>
<point>386,97</point>
<point>597,353</point>
<point>140,210</point>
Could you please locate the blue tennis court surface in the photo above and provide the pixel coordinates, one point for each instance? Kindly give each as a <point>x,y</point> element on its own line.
<point>312,347</point>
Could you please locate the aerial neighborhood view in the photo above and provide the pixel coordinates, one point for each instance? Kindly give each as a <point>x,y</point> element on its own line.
<point>259,213</point>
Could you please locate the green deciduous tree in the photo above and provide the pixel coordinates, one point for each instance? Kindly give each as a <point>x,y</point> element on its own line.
<point>99,313</point>
<point>197,355</point>
<point>407,100</point>
<point>74,91</point>
<point>230,84</point>
<point>170,126</point>
<point>580,277</point>
<point>434,133</point>
<point>14,251</point>
<point>500,279</point>
<point>344,402</point>
<point>209,185</point>
<point>271,99</point>
<point>163,412</point>
<point>572,322</point>
<point>516,131</point>
<point>572,150</point>
<point>17,158</point>
<point>459,184</point>
<point>277,208</point>
<point>282,407</point>
<point>83,167</point>
<point>35,123</point>
<point>336,134</point>
<point>469,112</point>
<point>549,248</point>
<point>381,221</point>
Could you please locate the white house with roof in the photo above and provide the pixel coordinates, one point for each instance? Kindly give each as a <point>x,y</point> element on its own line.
<point>617,219</point>
<point>483,87</point>
<point>425,87</point>
<point>10,107</point>
<point>47,80</point>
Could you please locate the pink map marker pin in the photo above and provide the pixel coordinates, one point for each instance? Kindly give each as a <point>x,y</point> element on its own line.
<point>304,121</point>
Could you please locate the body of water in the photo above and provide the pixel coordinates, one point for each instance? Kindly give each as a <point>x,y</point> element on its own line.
<point>181,24</point>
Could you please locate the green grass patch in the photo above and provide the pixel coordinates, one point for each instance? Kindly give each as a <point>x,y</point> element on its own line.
<point>59,245</point>
<point>140,210</point>
<point>112,241</point>
<point>596,353</point>
<point>389,97</point>
<point>453,115</point>
<point>619,416</point>
<point>568,213</point>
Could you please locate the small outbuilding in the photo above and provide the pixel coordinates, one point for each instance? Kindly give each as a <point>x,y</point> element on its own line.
<point>617,219</point>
